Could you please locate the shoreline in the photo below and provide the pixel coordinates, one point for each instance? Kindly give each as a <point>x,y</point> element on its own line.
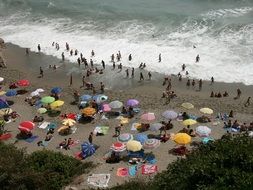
<point>20,66</point>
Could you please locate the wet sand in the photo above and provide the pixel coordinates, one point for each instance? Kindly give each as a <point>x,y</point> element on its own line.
<point>21,66</point>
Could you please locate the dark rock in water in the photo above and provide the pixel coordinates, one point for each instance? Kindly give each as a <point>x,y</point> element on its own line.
<point>2,44</point>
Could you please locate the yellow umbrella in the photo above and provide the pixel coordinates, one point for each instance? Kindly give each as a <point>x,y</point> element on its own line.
<point>56,104</point>
<point>68,122</point>
<point>2,93</point>
<point>124,120</point>
<point>189,122</point>
<point>5,111</point>
<point>206,110</point>
<point>187,105</point>
<point>182,138</point>
<point>89,111</point>
<point>133,145</point>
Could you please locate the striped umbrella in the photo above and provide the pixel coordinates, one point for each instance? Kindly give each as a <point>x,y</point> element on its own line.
<point>148,117</point>
<point>141,137</point>
<point>132,102</point>
<point>88,149</point>
<point>203,131</point>
<point>118,147</point>
<point>100,98</point>
<point>5,111</point>
<point>125,137</point>
<point>169,114</point>
<point>155,126</point>
<point>26,126</point>
<point>151,144</point>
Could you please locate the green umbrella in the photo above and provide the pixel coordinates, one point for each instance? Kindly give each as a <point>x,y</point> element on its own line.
<point>47,99</point>
<point>42,110</point>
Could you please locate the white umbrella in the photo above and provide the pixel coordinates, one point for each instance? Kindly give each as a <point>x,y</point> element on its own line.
<point>39,90</point>
<point>35,93</point>
<point>203,131</point>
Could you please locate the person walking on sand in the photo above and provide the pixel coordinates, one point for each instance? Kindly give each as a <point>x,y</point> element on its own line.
<point>160,58</point>
<point>70,80</point>
<point>200,84</point>
<point>39,48</point>
<point>41,72</point>
<point>239,92</point>
<point>247,102</point>
<point>27,51</point>
<point>197,59</point>
<point>193,83</point>
<point>132,74</point>
<point>102,87</point>
<point>63,56</point>
<point>127,73</point>
<point>141,76</point>
<point>149,75</point>
<point>188,83</point>
<point>90,139</point>
<point>212,80</point>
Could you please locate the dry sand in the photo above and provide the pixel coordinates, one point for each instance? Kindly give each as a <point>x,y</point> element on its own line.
<point>20,66</point>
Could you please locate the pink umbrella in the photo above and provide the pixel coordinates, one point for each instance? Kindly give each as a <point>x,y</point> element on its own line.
<point>26,126</point>
<point>106,108</point>
<point>148,117</point>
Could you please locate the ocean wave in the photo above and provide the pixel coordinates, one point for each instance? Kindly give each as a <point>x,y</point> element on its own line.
<point>226,13</point>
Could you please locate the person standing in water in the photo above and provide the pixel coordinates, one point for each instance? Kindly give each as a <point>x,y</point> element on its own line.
<point>103,64</point>
<point>141,76</point>
<point>160,58</point>
<point>67,46</point>
<point>212,80</point>
<point>197,59</point>
<point>39,48</point>
<point>132,75</point>
<point>102,87</point>
<point>92,53</point>
<point>127,73</point>
<point>130,57</point>
<point>149,75</point>
<point>62,56</point>
<point>200,84</point>
<point>27,51</point>
<point>183,67</point>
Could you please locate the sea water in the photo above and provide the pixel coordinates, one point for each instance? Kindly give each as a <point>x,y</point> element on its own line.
<point>221,31</point>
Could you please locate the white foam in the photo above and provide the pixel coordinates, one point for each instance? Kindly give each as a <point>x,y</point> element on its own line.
<point>222,56</point>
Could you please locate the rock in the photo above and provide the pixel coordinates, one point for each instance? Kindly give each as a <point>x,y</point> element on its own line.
<point>2,44</point>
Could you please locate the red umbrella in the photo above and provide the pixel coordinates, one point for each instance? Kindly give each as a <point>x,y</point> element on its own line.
<point>71,116</point>
<point>26,126</point>
<point>23,83</point>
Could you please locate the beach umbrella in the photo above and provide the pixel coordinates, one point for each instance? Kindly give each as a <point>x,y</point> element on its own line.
<point>207,140</point>
<point>155,126</point>
<point>100,98</point>
<point>106,108</point>
<point>88,149</point>
<point>182,138</point>
<point>169,114</point>
<point>141,137</point>
<point>89,111</point>
<point>1,79</point>
<point>42,110</point>
<point>68,122</point>
<point>148,117</point>
<point>71,116</point>
<point>206,110</point>
<point>3,98</point>
<point>85,97</point>
<point>3,104</point>
<point>132,102</point>
<point>5,111</point>
<point>35,93</point>
<point>189,122</point>
<point>52,125</point>
<point>133,146</point>
<point>115,104</point>
<point>2,93</point>
<point>47,99</point>
<point>26,126</point>
<point>40,90</point>
<point>151,143</point>
<point>203,131</point>
<point>124,120</point>
<point>11,93</point>
<point>23,83</point>
<point>187,105</point>
<point>57,103</point>
<point>118,147</point>
<point>56,90</point>
<point>125,137</point>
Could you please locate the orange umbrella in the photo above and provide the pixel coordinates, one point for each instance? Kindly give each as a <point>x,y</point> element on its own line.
<point>89,111</point>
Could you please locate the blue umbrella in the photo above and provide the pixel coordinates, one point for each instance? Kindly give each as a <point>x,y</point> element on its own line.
<point>3,104</point>
<point>100,98</point>
<point>141,137</point>
<point>11,93</point>
<point>88,149</point>
<point>85,97</point>
<point>56,90</point>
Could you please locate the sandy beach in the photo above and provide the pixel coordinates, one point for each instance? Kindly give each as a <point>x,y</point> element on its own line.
<point>117,87</point>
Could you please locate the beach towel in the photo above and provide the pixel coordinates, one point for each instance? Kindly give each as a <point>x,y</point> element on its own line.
<point>76,142</point>
<point>122,172</point>
<point>148,169</point>
<point>5,136</point>
<point>132,170</point>
<point>44,125</point>
<point>78,155</point>
<point>99,180</point>
<point>31,139</point>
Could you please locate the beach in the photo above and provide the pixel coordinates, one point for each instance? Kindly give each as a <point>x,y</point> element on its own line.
<point>117,87</point>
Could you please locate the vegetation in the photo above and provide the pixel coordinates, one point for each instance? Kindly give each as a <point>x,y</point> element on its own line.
<point>39,170</point>
<point>224,164</point>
